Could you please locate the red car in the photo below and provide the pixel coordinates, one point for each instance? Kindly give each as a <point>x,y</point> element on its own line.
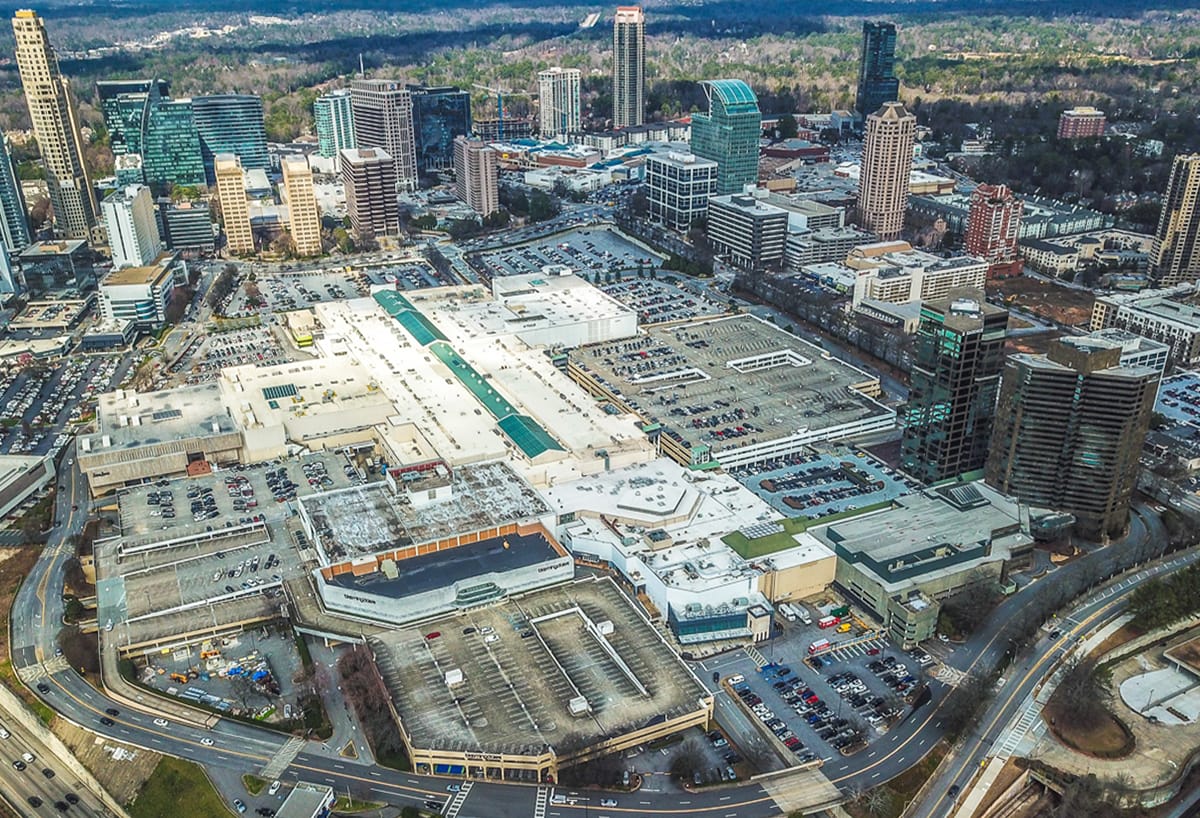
<point>873,652</point>
<point>433,635</point>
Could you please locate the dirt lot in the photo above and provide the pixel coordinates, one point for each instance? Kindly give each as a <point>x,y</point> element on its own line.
<point>121,768</point>
<point>1061,304</point>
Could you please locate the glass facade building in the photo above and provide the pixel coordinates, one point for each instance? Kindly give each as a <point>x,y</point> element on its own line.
<point>877,81</point>
<point>14,227</point>
<point>143,120</point>
<point>728,134</point>
<point>231,123</point>
<point>439,115</point>
<point>333,117</point>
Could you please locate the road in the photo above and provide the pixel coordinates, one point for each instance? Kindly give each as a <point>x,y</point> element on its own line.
<point>19,785</point>
<point>1089,615</point>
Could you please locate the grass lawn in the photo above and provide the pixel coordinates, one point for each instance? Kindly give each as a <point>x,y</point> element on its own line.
<point>1109,738</point>
<point>178,789</point>
<point>345,804</point>
<point>761,546</point>
<point>253,784</point>
<point>889,800</point>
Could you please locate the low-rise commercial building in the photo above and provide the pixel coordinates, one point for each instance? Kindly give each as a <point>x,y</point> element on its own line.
<point>1169,316</point>
<point>894,272</point>
<point>678,187</point>
<point>142,294</point>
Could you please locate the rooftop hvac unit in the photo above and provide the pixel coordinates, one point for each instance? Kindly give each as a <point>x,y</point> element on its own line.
<point>579,706</point>
<point>605,627</point>
<point>454,677</point>
<point>216,427</point>
<point>389,569</point>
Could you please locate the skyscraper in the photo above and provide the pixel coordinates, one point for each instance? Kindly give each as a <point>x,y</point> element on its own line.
<point>728,134</point>
<point>476,175</point>
<point>955,380</point>
<point>383,118</point>
<point>334,120</point>
<point>369,178</point>
<point>886,164</point>
<point>304,220</point>
<point>993,227</point>
<point>559,108</point>
<point>877,81</point>
<point>56,127</point>
<point>231,123</point>
<point>439,115</point>
<point>235,210</point>
<point>1175,254</point>
<point>132,226</point>
<point>629,66</point>
<point>1069,430</point>
<point>14,226</point>
<point>143,121</point>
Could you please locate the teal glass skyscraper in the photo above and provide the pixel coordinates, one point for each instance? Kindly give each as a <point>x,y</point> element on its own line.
<point>142,119</point>
<point>334,120</point>
<point>728,134</point>
<point>877,81</point>
<point>14,228</point>
<point>231,123</point>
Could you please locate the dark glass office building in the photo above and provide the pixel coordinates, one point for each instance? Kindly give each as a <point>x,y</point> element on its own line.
<point>142,119</point>
<point>955,380</point>
<point>439,114</point>
<point>877,81</point>
<point>231,123</point>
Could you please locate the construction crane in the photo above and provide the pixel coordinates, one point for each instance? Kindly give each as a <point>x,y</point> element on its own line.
<point>500,94</point>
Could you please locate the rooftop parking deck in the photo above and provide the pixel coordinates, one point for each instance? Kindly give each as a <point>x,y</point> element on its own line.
<point>523,663</point>
<point>737,385</point>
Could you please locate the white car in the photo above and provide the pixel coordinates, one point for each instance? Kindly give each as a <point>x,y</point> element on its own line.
<point>207,742</point>
<point>4,733</point>
<point>274,788</point>
<point>161,722</point>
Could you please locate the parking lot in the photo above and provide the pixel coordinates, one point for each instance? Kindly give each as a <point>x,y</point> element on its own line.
<point>659,300</point>
<point>819,707</point>
<point>207,355</point>
<point>584,252</point>
<point>241,495</point>
<point>413,275</point>
<point>39,399</point>
<point>1179,399</point>
<point>816,485</point>
<point>281,292</point>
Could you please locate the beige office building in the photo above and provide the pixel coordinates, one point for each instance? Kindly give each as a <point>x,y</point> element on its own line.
<point>886,164</point>
<point>369,179</point>
<point>558,97</point>
<point>1175,254</point>
<point>304,220</point>
<point>235,210</point>
<point>383,118</point>
<point>477,175</point>
<point>56,127</point>
<point>629,66</point>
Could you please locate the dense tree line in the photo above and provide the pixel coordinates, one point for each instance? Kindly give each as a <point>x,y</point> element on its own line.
<point>364,688</point>
<point>1162,602</point>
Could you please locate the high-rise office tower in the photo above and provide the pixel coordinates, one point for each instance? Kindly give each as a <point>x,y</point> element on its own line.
<point>955,381</point>
<point>235,209</point>
<point>56,127</point>
<point>629,66</point>
<point>304,220</point>
<point>334,120</point>
<point>439,115</point>
<point>993,227</point>
<point>231,123</point>
<point>728,134</point>
<point>132,226</point>
<point>877,81</point>
<point>14,225</point>
<point>383,118</point>
<point>476,175</point>
<point>887,158</point>
<point>559,108</point>
<point>1069,430</point>
<point>369,179</point>
<point>143,121</point>
<point>1175,254</point>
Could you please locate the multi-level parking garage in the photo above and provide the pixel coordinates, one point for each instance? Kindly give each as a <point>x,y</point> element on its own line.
<point>544,680</point>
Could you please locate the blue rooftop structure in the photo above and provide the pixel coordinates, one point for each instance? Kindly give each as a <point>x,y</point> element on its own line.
<point>734,94</point>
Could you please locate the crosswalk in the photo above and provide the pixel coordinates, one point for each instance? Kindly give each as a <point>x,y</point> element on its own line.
<point>286,755</point>
<point>456,803</point>
<point>947,675</point>
<point>1027,720</point>
<point>40,670</point>
<point>757,657</point>
<point>539,804</point>
<point>860,648</point>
